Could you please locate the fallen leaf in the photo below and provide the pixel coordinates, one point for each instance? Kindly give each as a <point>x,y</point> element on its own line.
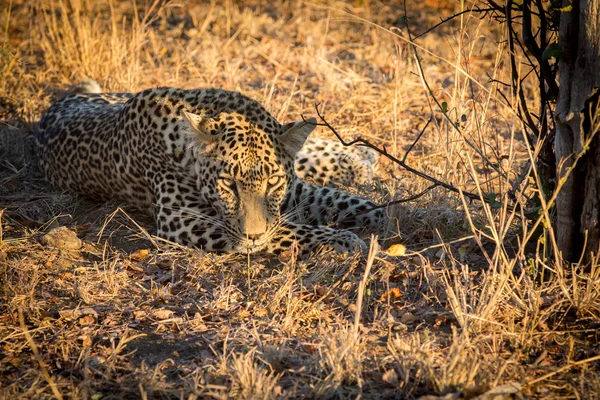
<point>87,320</point>
<point>78,312</point>
<point>139,255</point>
<point>260,311</point>
<point>85,340</point>
<point>392,294</point>
<point>396,250</point>
<point>163,313</point>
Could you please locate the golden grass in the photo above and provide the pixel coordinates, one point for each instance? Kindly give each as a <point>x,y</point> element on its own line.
<point>480,299</point>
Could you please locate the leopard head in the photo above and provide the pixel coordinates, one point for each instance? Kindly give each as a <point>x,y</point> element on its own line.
<point>246,167</point>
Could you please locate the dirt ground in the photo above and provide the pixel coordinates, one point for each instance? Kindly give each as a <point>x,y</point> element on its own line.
<point>93,305</point>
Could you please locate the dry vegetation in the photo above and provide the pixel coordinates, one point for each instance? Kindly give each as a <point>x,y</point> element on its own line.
<point>479,302</point>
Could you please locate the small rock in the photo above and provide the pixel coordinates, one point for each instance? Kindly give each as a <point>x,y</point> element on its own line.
<point>391,377</point>
<point>408,318</point>
<point>400,327</point>
<point>64,220</point>
<point>97,360</point>
<point>62,238</point>
<point>511,390</point>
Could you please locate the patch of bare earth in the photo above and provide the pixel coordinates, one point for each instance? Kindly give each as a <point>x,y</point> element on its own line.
<point>93,305</point>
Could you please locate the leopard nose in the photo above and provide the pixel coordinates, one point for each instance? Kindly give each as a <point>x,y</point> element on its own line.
<point>254,236</point>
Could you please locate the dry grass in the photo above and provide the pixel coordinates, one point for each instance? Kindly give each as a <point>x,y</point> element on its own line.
<point>479,301</point>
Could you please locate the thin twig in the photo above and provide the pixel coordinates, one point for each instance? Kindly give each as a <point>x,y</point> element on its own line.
<point>362,142</point>
<point>435,246</point>
<point>532,46</point>
<point>38,357</point>
<point>443,21</point>
<point>523,111</point>
<point>373,250</point>
<point>437,102</point>
<point>564,368</point>
<point>405,200</point>
<point>417,139</point>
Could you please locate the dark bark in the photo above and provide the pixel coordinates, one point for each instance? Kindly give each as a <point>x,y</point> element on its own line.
<point>576,122</point>
<point>591,178</point>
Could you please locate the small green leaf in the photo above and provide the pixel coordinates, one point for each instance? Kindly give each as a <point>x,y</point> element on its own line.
<point>545,223</point>
<point>462,252</point>
<point>566,9</point>
<point>445,107</point>
<point>554,50</point>
<point>493,202</point>
<point>531,264</point>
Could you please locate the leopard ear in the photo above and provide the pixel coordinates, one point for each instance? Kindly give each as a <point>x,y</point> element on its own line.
<point>196,125</point>
<point>296,134</point>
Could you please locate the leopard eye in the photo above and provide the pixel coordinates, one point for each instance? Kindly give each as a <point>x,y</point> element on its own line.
<point>228,184</point>
<point>274,181</point>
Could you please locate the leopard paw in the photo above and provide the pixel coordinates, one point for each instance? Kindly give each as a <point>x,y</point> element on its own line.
<point>343,241</point>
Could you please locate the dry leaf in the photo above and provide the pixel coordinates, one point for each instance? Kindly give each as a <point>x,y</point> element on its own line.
<point>139,255</point>
<point>163,313</point>
<point>392,294</point>
<point>87,320</point>
<point>260,311</point>
<point>396,250</point>
<point>78,312</point>
<point>86,340</point>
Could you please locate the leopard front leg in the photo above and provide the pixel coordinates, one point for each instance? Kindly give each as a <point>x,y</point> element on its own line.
<point>193,226</point>
<point>310,238</point>
<point>183,219</point>
<point>324,205</point>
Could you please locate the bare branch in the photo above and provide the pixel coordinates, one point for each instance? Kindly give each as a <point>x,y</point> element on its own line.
<point>405,200</point>
<point>443,21</point>
<point>362,142</point>
<point>533,47</point>
<point>417,139</point>
<point>517,88</point>
<point>444,112</point>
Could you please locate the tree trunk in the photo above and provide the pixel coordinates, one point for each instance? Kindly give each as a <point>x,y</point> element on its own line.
<point>578,203</point>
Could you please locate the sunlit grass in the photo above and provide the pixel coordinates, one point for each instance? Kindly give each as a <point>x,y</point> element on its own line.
<point>471,305</point>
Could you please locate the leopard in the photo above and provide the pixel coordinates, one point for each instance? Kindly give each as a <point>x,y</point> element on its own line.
<point>328,162</point>
<point>214,167</point>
